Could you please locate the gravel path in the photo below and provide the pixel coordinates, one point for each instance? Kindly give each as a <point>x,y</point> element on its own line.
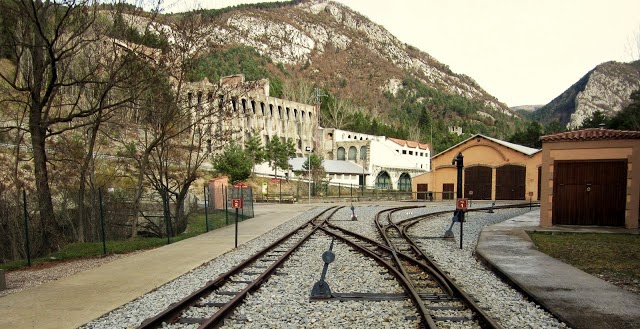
<point>43,273</point>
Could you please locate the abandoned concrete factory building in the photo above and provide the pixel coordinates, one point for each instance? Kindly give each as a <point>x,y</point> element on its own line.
<point>243,108</point>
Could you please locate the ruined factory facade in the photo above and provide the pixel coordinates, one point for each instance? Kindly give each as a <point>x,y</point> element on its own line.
<point>234,110</point>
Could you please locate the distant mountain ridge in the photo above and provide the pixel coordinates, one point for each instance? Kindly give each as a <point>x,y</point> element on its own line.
<point>528,108</point>
<point>607,88</point>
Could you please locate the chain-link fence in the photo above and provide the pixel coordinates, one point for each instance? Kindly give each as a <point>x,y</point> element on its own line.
<point>97,215</point>
<point>219,199</point>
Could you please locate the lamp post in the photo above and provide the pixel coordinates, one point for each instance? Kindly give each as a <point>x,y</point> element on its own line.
<point>308,150</point>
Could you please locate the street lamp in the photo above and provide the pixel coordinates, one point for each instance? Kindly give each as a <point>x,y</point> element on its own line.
<point>308,150</point>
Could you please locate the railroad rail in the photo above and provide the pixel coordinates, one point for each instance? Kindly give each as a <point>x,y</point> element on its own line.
<point>430,288</point>
<point>209,305</point>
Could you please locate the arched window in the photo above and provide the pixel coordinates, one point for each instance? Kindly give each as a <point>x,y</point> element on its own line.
<point>341,153</point>
<point>383,181</point>
<point>363,152</point>
<point>353,153</point>
<point>404,183</point>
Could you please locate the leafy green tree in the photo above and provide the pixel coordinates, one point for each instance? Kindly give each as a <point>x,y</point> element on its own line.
<point>529,137</point>
<point>629,117</point>
<point>279,152</point>
<point>256,152</point>
<point>313,164</point>
<point>234,162</point>
<point>595,120</point>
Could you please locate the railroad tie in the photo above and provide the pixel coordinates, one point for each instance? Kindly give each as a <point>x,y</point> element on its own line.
<point>452,318</point>
<point>191,320</point>
<point>210,304</point>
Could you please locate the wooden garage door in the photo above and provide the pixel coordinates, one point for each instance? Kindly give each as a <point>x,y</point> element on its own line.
<point>510,182</point>
<point>447,191</point>
<point>478,180</point>
<point>422,191</point>
<point>589,192</point>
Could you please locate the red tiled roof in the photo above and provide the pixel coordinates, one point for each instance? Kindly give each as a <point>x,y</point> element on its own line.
<point>591,134</point>
<point>407,143</point>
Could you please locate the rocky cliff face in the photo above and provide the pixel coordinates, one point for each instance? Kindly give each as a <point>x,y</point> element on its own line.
<point>332,45</point>
<point>607,88</point>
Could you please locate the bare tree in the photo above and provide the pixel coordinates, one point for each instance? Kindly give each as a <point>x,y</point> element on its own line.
<point>181,127</point>
<point>298,91</point>
<point>66,72</point>
<point>337,113</point>
<point>633,46</point>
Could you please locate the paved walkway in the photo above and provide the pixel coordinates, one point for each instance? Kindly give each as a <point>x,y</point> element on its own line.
<point>80,298</point>
<point>575,297</point>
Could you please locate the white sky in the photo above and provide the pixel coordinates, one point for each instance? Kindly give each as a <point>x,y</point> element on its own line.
<point>524,52</point>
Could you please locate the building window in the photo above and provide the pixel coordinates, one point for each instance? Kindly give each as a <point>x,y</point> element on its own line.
<point>410,152</point>
<point>421,154</point>
<point>363,152</point>
<point>383,181</point>
<point>353,153</point>
<point>341,153</point>
<point>404,151</point>
<point>404,183</point>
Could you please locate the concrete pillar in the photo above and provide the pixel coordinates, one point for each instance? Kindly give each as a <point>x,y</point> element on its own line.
<point>3,281</point>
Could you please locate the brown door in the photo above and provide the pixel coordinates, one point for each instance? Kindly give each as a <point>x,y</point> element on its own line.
<point>478,180</point>
<point>589,192</point>
<point>422,191</point>
<point>510,182</point>
<point>447,191</point>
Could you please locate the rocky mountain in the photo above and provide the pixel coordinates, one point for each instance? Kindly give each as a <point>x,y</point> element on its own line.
<point>335,42</point>
<point>333,46</point>
<point>607,88</point>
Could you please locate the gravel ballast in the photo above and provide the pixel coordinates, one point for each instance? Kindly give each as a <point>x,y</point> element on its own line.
<point>283,300</point>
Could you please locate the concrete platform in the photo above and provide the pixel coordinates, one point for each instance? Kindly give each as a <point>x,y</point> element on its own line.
<point>575,297</point>
<point>80,298</point>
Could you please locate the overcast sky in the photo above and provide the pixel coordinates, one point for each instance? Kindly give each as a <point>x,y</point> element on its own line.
<point>524,52</point>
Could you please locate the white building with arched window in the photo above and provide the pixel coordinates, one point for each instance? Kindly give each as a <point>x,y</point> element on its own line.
<point>387,163</point>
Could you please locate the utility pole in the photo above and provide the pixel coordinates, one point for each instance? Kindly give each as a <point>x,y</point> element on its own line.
<point>308,150</point>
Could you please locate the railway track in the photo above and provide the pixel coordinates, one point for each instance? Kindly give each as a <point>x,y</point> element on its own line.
<point>438,301</point>
<point>208,306</point>
<point>436,297</point>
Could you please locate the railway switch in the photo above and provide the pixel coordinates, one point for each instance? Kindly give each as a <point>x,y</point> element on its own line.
<point>353,213</point>
<point>321,289</point>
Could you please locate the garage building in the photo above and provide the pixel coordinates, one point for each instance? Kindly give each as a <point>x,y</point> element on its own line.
<point>591,177</point>
<point>493,170</point>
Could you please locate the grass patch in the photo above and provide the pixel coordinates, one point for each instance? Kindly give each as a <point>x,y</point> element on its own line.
<point>612,257</point>
<point>197,226</point>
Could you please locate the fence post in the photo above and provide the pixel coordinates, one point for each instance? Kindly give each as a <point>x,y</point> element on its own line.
<point>339,186</point>
<point>104,241</point>
<point>225,192</point>
<point>206,214</point>
<point>26,226</point>
<point>242,197</point>
<point>165,205</point>
<point>253,210</point>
